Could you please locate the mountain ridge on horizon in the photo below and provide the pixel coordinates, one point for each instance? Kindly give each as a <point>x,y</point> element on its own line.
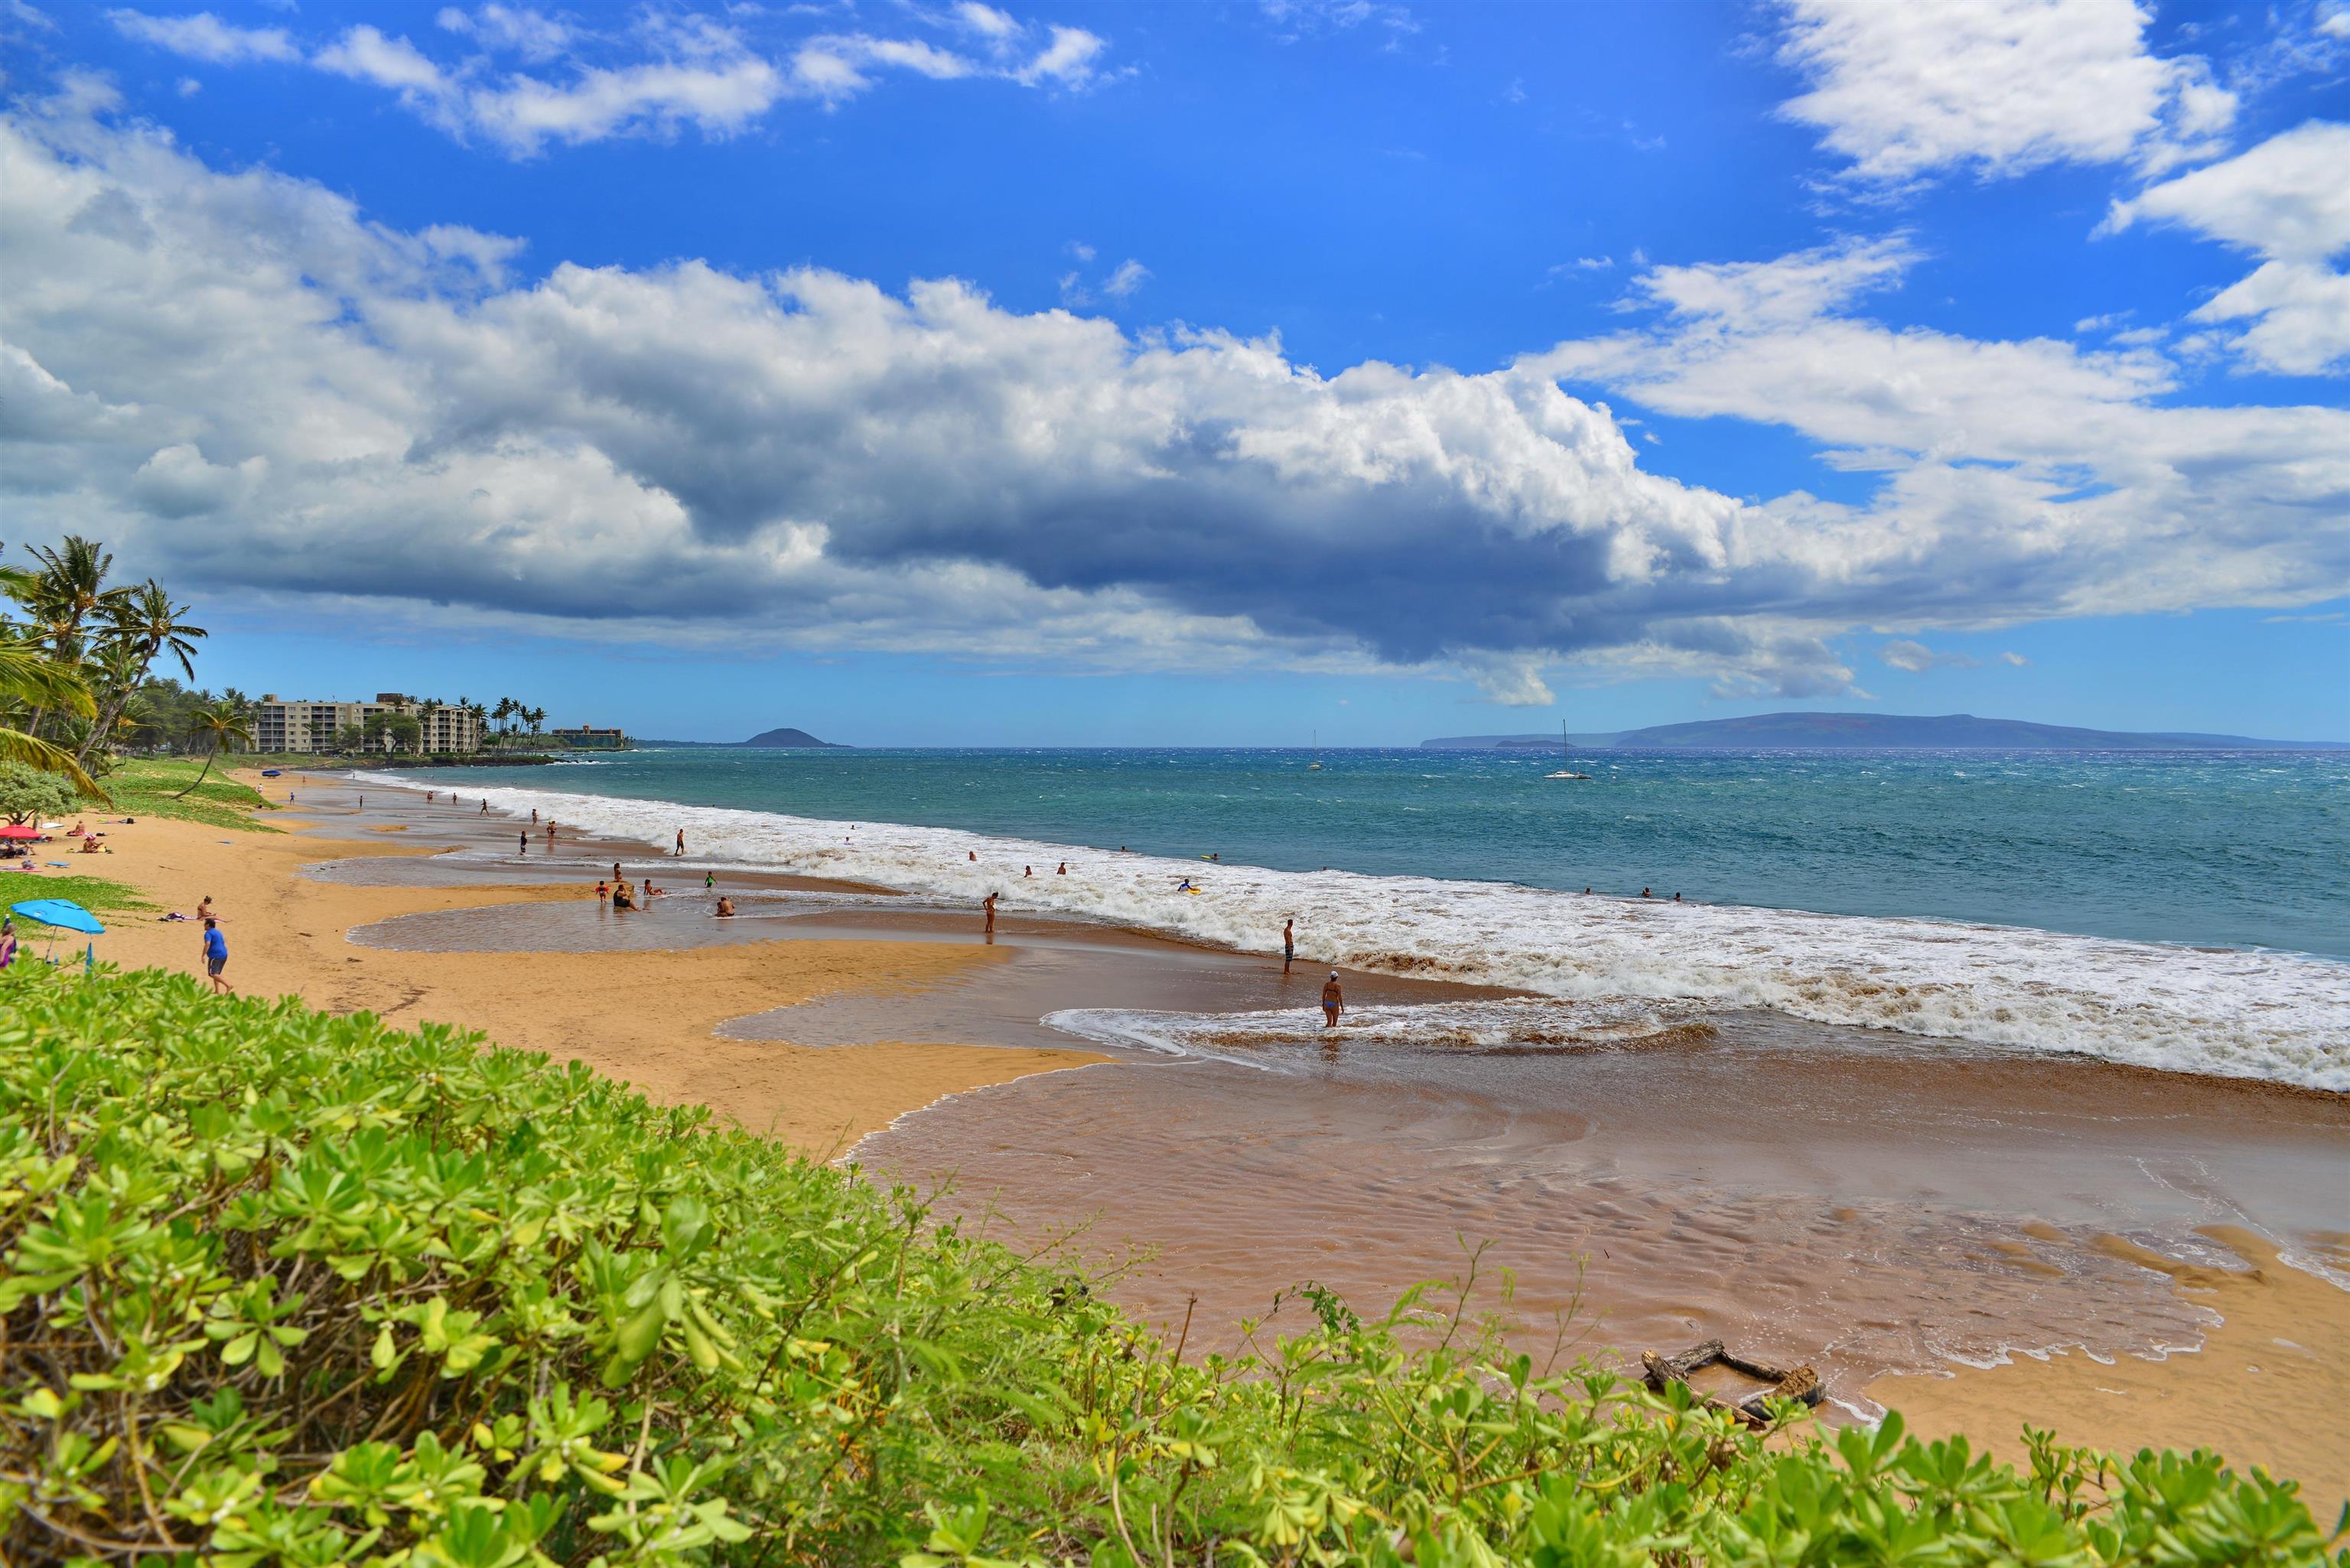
<point>1887,730</point>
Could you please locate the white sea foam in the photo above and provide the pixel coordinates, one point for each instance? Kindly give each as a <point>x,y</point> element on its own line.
<point>2247,1013</point>
<point>1532,1024</point>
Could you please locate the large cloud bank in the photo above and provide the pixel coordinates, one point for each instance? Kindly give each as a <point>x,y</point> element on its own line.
<point>239,379</point>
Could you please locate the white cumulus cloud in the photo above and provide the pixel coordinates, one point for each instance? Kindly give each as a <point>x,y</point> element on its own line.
<point>245,383</point>
<point>2287,201</point>
<point>1998,86</point>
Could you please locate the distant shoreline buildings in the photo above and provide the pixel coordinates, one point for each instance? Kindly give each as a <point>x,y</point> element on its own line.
<point>309,726</point>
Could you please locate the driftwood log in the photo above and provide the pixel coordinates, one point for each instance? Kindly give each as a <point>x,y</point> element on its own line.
<point>1797,1382</point>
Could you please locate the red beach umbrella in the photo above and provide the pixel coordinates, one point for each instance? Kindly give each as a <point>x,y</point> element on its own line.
<point>19,830</point>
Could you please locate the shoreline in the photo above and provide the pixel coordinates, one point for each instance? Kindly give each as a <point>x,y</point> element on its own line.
<point>647,1018</point>
<point>684,1058</point>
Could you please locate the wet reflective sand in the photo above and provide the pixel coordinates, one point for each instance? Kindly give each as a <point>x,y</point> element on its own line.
<point>1843,1201</point>
<point>1862,1200</point>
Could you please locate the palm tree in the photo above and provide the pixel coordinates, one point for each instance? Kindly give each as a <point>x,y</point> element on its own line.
<point>149,622</point>
<point>66,593</point>
<point>221,724</point>
<point>502,712</point>
<point>28,677</point>
<point>537,716</point>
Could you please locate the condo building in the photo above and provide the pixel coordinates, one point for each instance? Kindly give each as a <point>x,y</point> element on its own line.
<point>281,724</point>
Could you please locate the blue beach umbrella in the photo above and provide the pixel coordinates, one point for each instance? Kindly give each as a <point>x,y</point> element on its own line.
<point>61,915</point>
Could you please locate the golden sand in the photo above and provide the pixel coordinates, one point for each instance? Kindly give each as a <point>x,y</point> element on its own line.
<point>645,1018</point>
<point>2270,1385</point>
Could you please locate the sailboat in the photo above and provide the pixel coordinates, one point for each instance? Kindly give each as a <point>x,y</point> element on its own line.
<point>1566,756</point>
<point>1316,765</point>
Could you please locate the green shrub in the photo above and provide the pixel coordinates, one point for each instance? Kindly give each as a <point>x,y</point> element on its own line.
<point>285,1288</point>
<point>26,794</point>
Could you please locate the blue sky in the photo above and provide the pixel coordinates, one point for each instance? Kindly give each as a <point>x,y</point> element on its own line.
<point>1204,373</point>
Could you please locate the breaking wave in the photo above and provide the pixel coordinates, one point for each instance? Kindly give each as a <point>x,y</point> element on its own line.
<point>2235,1013</point>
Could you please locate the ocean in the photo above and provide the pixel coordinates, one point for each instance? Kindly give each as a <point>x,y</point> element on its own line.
<point>2176,910</point>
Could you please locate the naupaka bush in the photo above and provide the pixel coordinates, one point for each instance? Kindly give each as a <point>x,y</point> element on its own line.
<point>283,1288</point>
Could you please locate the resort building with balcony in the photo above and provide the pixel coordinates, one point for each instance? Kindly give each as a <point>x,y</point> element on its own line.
<point>310,725</point>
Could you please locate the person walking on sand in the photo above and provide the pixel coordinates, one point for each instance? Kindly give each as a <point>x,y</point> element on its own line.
<point>1334,1002</point>
<point>216,959</point>
<point>1288,944</point>
<point>988,904</point>
<point>485,805</point>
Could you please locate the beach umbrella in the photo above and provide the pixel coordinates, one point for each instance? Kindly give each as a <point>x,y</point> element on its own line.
<point>61,915</point>
<point>19,830</point>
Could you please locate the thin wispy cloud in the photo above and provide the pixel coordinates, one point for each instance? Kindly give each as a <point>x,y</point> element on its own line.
<point>519,79</point>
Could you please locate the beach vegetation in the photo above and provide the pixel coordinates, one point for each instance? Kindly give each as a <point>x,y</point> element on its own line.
<point>278,1287</point>
<point>172,788</point>
<point>28,793</point>
<point>101,895</point>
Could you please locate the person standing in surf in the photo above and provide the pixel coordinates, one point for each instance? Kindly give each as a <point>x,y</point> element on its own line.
<point>988,904</point>
<point>1334,1002</point>
<point>1288,944</point>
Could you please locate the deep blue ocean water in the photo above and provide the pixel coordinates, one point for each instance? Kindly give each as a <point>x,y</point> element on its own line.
<point>2240,849</point>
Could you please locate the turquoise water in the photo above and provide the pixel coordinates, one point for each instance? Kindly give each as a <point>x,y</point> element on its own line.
<point>2249,849</point>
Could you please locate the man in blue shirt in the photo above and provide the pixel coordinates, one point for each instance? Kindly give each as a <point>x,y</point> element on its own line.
<point>216,959</point>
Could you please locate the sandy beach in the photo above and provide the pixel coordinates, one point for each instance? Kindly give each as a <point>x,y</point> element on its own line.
<point>647,1018</point>
<point>702,1017</point>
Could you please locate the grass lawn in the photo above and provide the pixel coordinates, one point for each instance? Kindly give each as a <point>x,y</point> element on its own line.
<point>150,788</point>
<point>92,893</point>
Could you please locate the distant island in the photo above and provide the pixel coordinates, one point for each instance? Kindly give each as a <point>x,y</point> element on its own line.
<point>785,737</point>
<point>1772,732</point>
